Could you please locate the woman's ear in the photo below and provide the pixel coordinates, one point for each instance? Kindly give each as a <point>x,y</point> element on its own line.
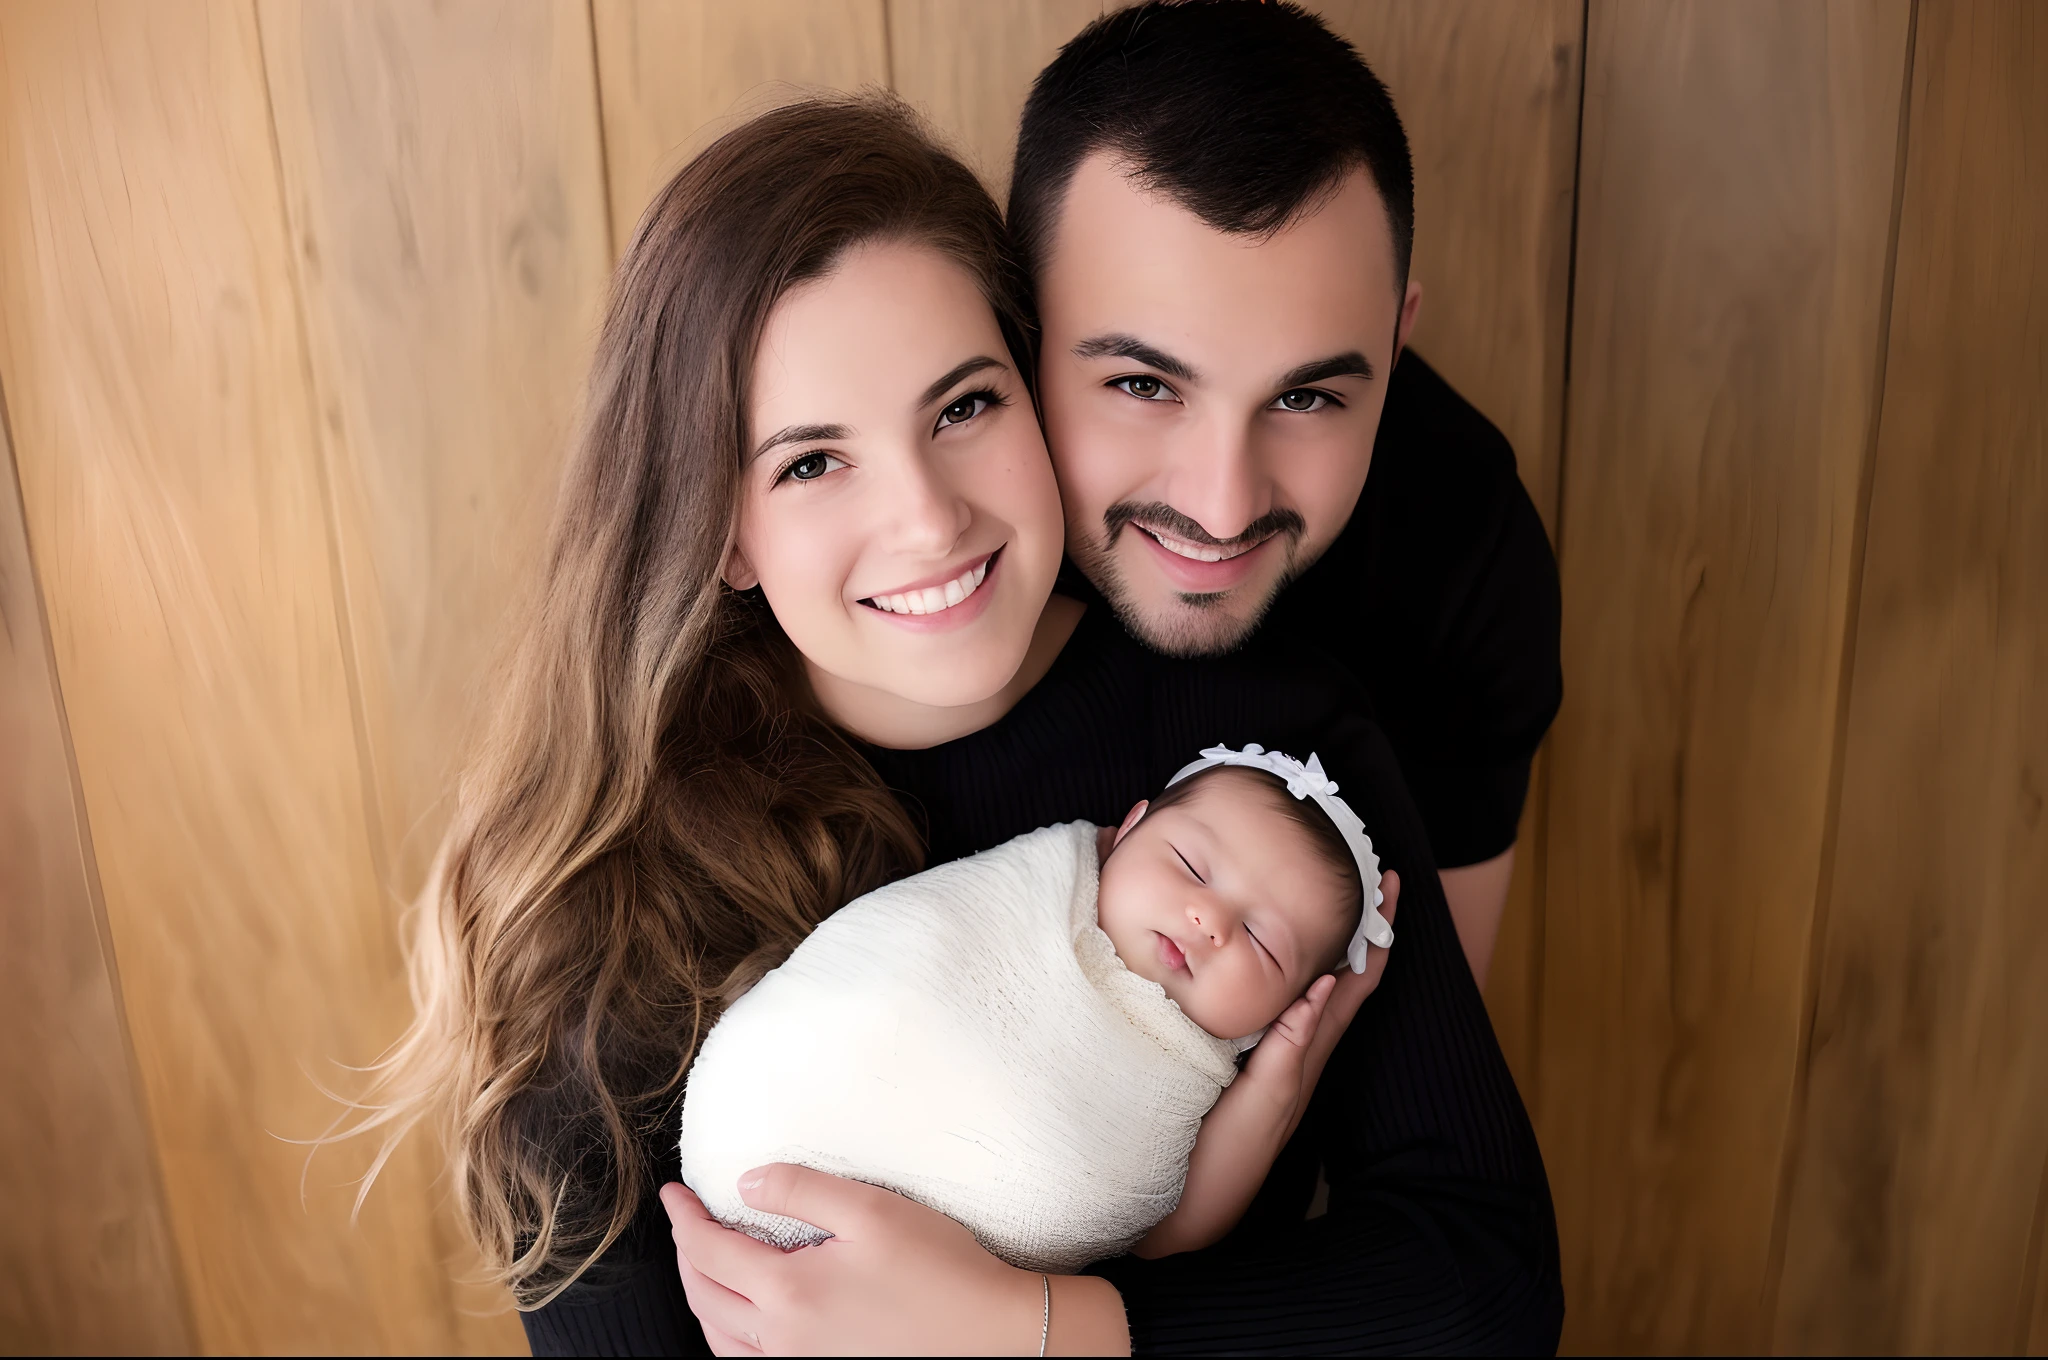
<point>1131,819</point>
<point>739,573</point>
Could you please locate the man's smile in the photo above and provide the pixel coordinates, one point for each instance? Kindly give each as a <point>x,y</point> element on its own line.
<point>1200,552</point>
<point>1203,568</point>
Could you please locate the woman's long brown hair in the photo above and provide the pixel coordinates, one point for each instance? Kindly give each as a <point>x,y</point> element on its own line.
<point>656,814</point>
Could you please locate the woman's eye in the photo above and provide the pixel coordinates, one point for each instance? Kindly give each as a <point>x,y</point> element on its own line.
<point>1302,399</point>
<point>963,410</point>
<point>1143,388</point>
<point>967,407</point>
<point>811,466</point>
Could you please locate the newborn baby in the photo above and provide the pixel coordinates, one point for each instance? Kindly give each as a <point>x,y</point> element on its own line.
<point>1029,1040</point>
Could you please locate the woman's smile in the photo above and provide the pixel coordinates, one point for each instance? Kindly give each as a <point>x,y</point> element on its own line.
<point>951,601</point>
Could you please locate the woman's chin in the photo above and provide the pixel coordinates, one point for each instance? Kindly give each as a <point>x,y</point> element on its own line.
<point>943,677</point>
<point>965,688</point>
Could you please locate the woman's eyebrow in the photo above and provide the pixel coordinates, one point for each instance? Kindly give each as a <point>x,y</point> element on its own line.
<point>954,375</point>
<point>800,434</point>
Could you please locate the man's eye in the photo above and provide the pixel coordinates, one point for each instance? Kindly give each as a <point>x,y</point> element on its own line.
<point>1302,399</point>
<point>811,466</point>
<point>1143,388</point>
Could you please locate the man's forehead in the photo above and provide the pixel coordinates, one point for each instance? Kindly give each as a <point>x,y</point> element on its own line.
<point>1108,200</point>
<point>1133,260</point>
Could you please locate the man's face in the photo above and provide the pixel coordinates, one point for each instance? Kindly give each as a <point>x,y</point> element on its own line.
<point>1211,399</point>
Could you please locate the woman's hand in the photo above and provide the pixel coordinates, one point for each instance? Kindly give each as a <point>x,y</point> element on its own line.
<point>894,1278</point>
<point>1288,1062</point>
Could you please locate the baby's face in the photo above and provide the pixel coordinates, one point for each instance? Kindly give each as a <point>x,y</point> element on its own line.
<point>1224,902</point>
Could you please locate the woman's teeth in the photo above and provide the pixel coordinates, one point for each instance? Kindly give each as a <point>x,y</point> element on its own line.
<point>1200,552</point>
<point>933,599</point>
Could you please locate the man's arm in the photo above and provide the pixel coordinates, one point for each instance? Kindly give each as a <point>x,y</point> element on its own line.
<point>1478,893</point>
<point>1252,1121</point>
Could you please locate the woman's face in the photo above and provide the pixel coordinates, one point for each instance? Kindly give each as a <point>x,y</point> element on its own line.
<point>899,510</point>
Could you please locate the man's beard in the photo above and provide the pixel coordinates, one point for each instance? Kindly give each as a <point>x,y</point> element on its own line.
<point>1202,626</point>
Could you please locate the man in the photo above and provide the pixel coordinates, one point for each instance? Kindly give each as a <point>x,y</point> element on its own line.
<point>1217,204</point>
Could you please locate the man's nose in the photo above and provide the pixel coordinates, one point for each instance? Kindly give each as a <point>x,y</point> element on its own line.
<point>1219,481</point>
<point>925,512</point>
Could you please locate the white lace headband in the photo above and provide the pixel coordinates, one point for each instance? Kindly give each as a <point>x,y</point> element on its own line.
<point>1309,781</point>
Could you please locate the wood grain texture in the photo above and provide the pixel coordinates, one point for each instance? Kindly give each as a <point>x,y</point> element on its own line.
<point>447,202</point>
<point>448,315</point>
<point>1916,1188</point>
<point>150,349</point>
<point>86,1265</point>
<point>675,73</point>
<point>969,64</point>
<point>1488,91</point>
<point>2035,1342</point>
<point>1735,207</point>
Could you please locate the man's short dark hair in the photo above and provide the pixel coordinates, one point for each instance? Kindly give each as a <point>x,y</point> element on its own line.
<point>1246,114</point>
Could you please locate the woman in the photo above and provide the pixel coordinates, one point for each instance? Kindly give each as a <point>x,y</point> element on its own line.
<point>810,531</point>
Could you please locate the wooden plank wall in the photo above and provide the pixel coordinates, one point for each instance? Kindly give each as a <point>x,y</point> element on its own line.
<point>294,301</point>
<point>86,1260</point>
<point>1735,202</point>
<point>1917,1188</point>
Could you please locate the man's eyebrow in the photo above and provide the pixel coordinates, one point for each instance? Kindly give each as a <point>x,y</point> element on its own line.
<point>955,374</point>
<point>1116,346</point>
<point>800,434</point>
<point>1352,364</point>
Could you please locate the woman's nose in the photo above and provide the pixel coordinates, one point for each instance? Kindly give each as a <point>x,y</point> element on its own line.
<point>927,514</point>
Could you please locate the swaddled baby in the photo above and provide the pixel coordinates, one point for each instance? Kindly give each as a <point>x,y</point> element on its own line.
<point>1028,1040</point>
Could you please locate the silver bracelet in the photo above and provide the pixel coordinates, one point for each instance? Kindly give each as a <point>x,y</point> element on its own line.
<point>1045,1323</point>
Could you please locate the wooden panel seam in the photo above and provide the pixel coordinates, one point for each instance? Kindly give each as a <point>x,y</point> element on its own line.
<point>1540,792</point>
<point>2032,1289</point>
<point>889,45</point>
<point>89,866</point>
<point>604,146</point>
<point>1816,942</point>
<point>366,758</point>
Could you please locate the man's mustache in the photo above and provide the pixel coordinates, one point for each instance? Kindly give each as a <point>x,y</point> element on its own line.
<point>1167,520</point>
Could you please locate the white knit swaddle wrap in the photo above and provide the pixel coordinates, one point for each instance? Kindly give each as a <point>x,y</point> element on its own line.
<point>969,1038</point>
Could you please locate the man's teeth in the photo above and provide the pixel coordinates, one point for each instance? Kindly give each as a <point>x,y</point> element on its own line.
<point>1201,552</point>
<point>933,599</point>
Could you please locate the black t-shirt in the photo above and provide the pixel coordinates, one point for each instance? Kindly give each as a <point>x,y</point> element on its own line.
<point>1439,1234</point>
<point>1441,597</point>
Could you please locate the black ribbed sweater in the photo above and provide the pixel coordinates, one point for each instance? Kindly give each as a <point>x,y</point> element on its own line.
<point>1439,1234</point>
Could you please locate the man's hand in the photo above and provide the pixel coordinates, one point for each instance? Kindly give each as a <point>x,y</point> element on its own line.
<point>1308,1031</point>
<point>1256,1116</point>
